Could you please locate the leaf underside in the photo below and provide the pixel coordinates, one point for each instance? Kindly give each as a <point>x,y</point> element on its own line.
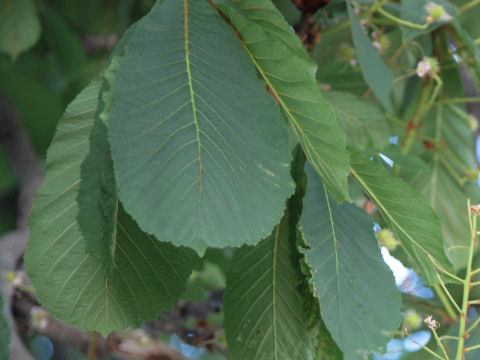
<point>264,318</point>
<point>407,213</point>
<point>77,287</point>
<point>357,293</point>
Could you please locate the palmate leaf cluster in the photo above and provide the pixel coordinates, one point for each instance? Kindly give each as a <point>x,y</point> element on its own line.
<point>208,129</point>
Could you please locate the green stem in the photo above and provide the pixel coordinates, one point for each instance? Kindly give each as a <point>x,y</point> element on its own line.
<point>403,22</point>
<point>466,286</point>
<point>448,295</point>
<point>468,6</point>
<point>374,8</point>
<point>446,304</point>
<point>424,347</point>
<point>410,136</point>
<point>92,347</point>
<point>440,345</point>
<point>472,348</point>
<point>473,326</point>
<point>460,100</point>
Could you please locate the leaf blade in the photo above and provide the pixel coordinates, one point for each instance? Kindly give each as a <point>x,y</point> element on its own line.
<point>376,73</point>
<point>74,285</point>
<point>269,322</point>
<point>408,214</point>
<point>356,290</point>
<point>311,117</point>
<point>205,169</point>
<point>19,26</point>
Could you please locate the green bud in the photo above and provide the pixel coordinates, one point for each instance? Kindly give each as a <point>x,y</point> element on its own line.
<point>412,320</point>
<point>437,12</point>
<point>387,238</point>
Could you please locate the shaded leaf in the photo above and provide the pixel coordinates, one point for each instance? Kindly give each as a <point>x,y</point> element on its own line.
<point>264,317</point>
<point>376,73</point>
<point>446,195</point>
<point>407,213</point>
<point>200,150</point>
<point>147,276</point>
<point>291,78</point>
<point>357,293</point>
<point>4,334</point>
<point>415,11</point>
<point>19,26</point>
<point>361,120</point>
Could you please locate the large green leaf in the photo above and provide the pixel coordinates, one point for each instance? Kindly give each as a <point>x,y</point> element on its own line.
<point>264,317</point>
<point>358,297</point>
<point>376,73</point>
<point>200,151</point>
<point>406,212</point>
<point>291,78</point>
<point>77,287</point>
<point>415,11</point>
<point>4,334</point>
<point>361,120</point>
<point>19,26</point>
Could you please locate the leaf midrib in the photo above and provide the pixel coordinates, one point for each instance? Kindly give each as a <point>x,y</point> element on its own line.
<point>385,211</point>
<point>192,99</point>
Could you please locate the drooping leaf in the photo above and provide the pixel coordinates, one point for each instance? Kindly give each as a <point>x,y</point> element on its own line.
<point>358,297</point>
<point>146,277</point>
<point>4,334</point>
<point>361,120</point>
<point>376,73</point>
<point>97,197</point>
<point>200,150</point>
<point>416,11</point>
<point>407,213</point>
<point>264,317</point>
<point>290,77</point>
<point>19,26</point>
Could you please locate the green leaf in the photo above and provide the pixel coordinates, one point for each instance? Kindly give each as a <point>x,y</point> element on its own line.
<point>97,197</point>
<point>264,317</point>
<point>200,151</point>
<point>447,196</point>
<point>361,120</point>
<point>19,26</point>
<point>291,78</point>
<point>146,277</point>
<point>415,11</point>
<point>407,213</point>
<point>4,334</point>
<point>376,73</point>
<point>358,297</point>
